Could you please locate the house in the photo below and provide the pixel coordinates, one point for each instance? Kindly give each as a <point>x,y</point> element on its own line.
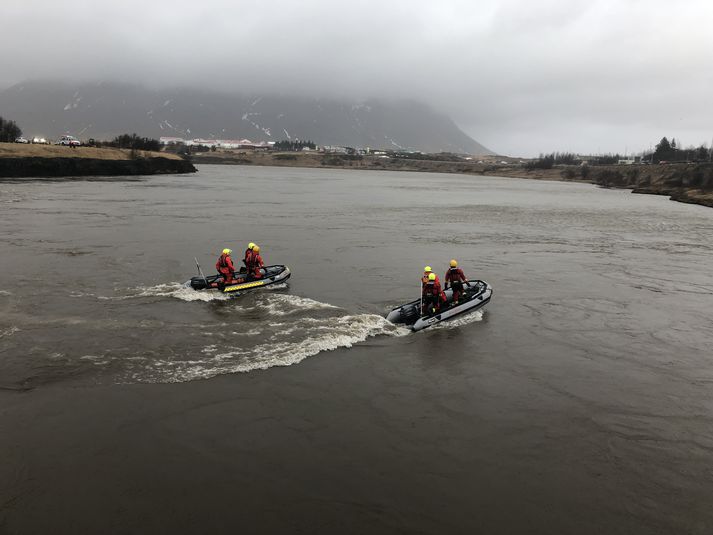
<point>335,149</point>
<point>167,140</point>
<point>204,142</point>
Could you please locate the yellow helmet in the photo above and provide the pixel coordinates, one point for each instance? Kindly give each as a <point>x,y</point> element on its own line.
<point>454,263</point>
<point>427,269</point>
<point>432,277</point>
<point>251,245</point>
<point>256,248</point>
<point>227,251</point>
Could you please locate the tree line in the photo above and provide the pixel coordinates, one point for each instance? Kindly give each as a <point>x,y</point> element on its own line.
<point>132,141</point>
<point>665,151</point>
<point>9,131</point>
<point>670,151</point>
<point>287,145</point>
<point>548,161</point>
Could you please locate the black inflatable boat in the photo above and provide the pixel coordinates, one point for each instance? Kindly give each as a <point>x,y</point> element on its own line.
<point>242,283</point>
<point>476,295</point>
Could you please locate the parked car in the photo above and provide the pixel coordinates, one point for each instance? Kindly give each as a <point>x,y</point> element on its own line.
<point>40,141</point>
<point>21,140</point>
<point>69,141</point>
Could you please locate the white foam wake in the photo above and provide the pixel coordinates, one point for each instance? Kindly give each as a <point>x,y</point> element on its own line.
<point>344,331</point>
<point>6,333</point>
<point>179,291</point>
<point>287,304</point>
<point>172,289</point>
<point>272,287</point>
<point>459,321</point>
<point>275,329</point>
<point>314,336</point>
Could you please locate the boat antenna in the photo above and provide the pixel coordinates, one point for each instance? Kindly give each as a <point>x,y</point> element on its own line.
<point>200,271</point>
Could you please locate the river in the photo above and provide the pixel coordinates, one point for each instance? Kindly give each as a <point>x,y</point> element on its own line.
<point>578,401</point>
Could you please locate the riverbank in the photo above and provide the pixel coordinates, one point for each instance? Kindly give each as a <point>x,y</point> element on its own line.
<point>690,183</point>
<point>29,161</point>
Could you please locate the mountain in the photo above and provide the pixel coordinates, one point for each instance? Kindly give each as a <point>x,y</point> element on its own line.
<point>105,109</point>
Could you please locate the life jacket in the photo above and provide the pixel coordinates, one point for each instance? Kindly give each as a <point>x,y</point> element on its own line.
<point>455,275</point>
<point>252,260</point>
<point>224,264</point>
<point>255,261</point>
<point>432,288</point>
<point>246,258</point>
<point>424,279</point>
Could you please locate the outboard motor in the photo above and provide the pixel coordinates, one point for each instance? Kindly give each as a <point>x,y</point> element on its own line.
<point>198,283</point>
<point>410,314</point>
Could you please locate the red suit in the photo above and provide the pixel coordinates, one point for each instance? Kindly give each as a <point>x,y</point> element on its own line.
<point>224,265</point>
<point>433,296</point>
<point>456,278</point>
<point>246,259</point>
<point>254,264</point>
<point>424,279</point>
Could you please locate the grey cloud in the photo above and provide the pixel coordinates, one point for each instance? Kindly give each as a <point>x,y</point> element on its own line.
<point>521,77</point>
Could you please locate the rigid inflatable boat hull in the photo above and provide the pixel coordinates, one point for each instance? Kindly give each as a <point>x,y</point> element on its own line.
<point>475,297</point>
<point>270,275</point>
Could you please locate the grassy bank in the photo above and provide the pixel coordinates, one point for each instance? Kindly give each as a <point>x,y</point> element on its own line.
<point>340,161</point>
<point>24,160</point>
<point>21,150</point>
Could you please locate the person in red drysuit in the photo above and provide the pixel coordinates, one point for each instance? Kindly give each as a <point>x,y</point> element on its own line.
<point>225,267</point>
<point>455,277</point>
<point>426,272</point>
<point>433,296</point>
<point>248,254</point>
<point>255,263</point>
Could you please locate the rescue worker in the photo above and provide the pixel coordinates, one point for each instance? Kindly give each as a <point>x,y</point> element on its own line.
<point>426,272</point>
<point>432,296</point>
<point>455,277</point>
<point>225,267</point>
<point>255,263</point>
<point>248,253</point>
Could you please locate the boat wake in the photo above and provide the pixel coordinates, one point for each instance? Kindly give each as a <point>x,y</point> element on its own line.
<point>179,291</point>
<point>287,304</point>
<point>263,330</point>
<point>172,289</point>
<point>460,321</point>
<point>8,332</point>
<point>284,348</point>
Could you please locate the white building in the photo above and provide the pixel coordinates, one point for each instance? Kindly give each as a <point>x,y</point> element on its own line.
<point>167,140</point>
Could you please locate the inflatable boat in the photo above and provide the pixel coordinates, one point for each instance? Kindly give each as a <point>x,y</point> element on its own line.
<point>242,283</point>
<point>476,294</point>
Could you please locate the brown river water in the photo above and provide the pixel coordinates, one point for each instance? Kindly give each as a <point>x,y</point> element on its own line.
<point>579,401</point>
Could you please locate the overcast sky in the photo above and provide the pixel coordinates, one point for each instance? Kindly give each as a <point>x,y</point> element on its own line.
<point>521,77</point>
